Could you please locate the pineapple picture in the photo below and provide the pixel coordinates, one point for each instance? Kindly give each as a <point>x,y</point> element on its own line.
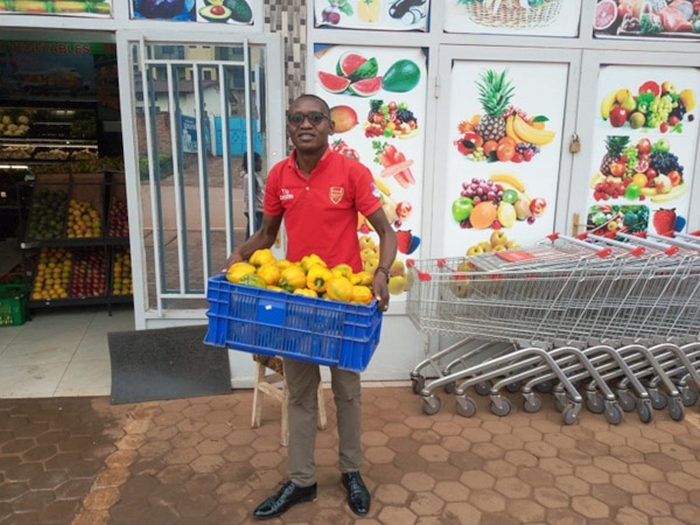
<point>495,94</point>
<point>615,146</point>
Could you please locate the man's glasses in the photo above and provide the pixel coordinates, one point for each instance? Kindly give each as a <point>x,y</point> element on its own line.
<point>314,117</point>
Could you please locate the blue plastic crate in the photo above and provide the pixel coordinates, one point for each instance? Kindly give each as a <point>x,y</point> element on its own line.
<point>272,323</point>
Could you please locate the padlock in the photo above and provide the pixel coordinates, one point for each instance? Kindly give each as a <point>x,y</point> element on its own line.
<point>575,145</point>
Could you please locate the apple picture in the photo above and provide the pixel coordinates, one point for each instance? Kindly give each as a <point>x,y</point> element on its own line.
<point>462,208</point>
<point>618,116</point>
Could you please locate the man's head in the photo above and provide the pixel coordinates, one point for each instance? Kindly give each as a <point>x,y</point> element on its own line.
<point>309,123</point>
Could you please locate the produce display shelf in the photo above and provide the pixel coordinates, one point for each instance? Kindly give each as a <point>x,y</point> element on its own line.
<point>76,243</point>
<point>81,301</point>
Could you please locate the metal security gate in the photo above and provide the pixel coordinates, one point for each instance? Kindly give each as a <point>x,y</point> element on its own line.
<point>195,108</point>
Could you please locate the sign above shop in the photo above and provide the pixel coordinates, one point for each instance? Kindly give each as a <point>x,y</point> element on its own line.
<point>90,8</point>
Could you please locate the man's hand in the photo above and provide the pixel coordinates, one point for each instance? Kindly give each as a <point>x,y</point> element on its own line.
<point>232,259</point>
<point>380,285</point>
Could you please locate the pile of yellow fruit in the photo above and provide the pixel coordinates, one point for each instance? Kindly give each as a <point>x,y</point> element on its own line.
<point>53,273</point>
<point>121,273</point>
<point>83,220</point>
<point>311,277</point>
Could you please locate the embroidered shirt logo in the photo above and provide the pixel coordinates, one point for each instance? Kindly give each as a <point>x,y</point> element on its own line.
<point>285,195</point>
<point>336,194</point>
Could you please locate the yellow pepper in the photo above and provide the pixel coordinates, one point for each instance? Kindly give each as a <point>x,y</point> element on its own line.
<point>254,280</point>
<point>342,270</point>
<point>283,263</point>
<point>309,260</point>
<point>270,273</point>
<point>361,278</point>
<point>274,288</point>
<point>317,277</point>
<point>238,270</point>
<point>306,291</point>
<point>262,257</point>
<point>339,289</point>
<point>292,278</point>
<point>361,294</point>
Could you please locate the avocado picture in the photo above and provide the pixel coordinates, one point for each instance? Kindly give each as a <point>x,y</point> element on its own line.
<point>215,13</point>
<point>240,11</point>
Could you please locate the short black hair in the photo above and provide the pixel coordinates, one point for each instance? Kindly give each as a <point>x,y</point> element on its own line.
<point>316,97</point>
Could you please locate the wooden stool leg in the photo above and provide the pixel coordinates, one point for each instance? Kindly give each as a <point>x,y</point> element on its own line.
<point>285,416</point>
<point>257,395</point>
<point>322,418</point>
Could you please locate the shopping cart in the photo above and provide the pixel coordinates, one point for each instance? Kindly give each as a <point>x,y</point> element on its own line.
<point>571,309</point>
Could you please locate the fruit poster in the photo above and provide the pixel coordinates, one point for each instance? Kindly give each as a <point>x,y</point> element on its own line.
<point>644,150</point>
<point>385,15</point>
<point>82,8</point>
<point>647,18</point>
<point>514,17</point>
<point>235,12</point>
<point>505,126</point>
<point>377,98</point>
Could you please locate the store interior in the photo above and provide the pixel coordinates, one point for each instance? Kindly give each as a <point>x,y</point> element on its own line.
<point>65,279</point>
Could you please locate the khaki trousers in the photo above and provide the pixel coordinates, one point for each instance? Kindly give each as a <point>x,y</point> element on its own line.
<point>302,386</point>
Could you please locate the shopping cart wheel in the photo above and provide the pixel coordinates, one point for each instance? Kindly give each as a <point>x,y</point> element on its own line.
<point>466,406</point>
<point>418,383</point>
<point>594,403</point>
<point>545,387</point>
<point>675,409</point>
<point>689,396</point>
<point>514,387</point>
<point>500,406</point>
<point>613,413</point>
<point>658,398</point>
<point>450,387</point>
<point>431,405</point>
<point>484,388</point>
<point>627,401</point>
<point>532,403</point>
<point>644,411</point>
<point>571,414</point>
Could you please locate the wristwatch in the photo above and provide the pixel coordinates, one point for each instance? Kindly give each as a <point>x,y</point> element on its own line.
<point>385,272</point>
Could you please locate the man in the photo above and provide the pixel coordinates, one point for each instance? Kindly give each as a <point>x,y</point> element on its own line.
<point>319,193</point>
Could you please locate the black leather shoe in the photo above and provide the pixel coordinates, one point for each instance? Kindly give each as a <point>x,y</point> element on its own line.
<point>290,494</point>
<point>358,495</point>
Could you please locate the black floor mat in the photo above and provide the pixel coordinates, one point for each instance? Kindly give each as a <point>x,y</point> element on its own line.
<point>167,363</point>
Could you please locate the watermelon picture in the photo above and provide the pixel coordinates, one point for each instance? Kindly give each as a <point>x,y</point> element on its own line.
<point>354,75</point>
<point>333,83</point>
<point>366,87</point>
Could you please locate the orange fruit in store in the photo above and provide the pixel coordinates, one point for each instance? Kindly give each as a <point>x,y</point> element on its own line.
<point>483,215</point>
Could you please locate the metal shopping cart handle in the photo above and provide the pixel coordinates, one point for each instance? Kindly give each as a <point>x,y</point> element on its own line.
<point>676,240</point>
<point>664,247</point>
<point>600,252</point>
<point>636,251</point>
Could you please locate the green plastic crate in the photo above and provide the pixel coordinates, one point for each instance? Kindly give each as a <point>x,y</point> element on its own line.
<point>13,304</point>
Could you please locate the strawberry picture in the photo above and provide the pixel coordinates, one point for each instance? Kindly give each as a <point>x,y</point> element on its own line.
<point>407,242</point>
<point>664,221</point>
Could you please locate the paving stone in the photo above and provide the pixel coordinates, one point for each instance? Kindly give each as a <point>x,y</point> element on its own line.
<point>198,462</point>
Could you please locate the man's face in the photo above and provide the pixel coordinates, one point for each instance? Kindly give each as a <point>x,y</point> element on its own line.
<point>308,136</point>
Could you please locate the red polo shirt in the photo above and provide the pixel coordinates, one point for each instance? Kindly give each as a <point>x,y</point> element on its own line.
<point>320,213</point>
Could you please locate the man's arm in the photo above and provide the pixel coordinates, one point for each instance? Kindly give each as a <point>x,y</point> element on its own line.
<point>387,254</point>
<point>263,238</point>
